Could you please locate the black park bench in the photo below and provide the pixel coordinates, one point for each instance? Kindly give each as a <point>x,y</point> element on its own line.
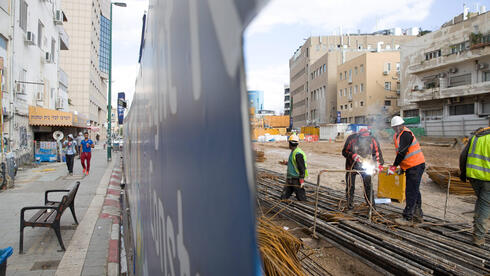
<point>50,214</point>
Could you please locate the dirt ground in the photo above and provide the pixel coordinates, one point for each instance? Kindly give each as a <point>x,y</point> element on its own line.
<point>326,155</point>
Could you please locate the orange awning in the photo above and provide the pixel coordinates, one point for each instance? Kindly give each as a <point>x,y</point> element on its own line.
<point>39,116</point>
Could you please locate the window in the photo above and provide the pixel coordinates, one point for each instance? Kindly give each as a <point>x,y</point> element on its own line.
<point>460,80</point>
<point>362,68</point>
<point>434,114</point>
<point>461,109</point>
<point>361,87</point>
<point>340,77</point>
<point>398,87</point>
<point>388,103</point>
<point>324,68</point>
<point>350,92</point>
<point>485,108</point>
<point>350,75</point>
<point>340,93</point>
<point>387,86</point>
<point>355,89</point>
<point>105,30</point>
<point>40,29</point>
<point>433,54</point>
<point>53,49</point>
<point>398,67</point>
<point>23,15</point>
<point>345,92</point>
<point>3,42</point>
<point>459,47</point>
<point>411,113</point>
<point>350,105</point>
<point>387,67</point>
<point>485,76</point>
<point>345,106</point>
<point>361,103</point>
<point>345,75</point>
<point>355,70</point>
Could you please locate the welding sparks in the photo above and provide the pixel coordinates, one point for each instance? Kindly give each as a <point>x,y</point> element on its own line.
<point>369,167</point>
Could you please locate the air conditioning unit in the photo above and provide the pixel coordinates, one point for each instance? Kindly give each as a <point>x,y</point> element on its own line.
<point>59,103</point>
<point>58,17</point>
<point>453,70</point>
<point>40,96</point>
<point>30,38</point>
<point>385,72</point>
<point>48,58</point>
<point>481,66</point>
<point>20,88</point>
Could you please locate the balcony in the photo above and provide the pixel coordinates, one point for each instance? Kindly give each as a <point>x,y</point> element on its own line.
<point>62,77</point>
<point>448,60</point>
<point>64,39</point>
<point>450,92</point>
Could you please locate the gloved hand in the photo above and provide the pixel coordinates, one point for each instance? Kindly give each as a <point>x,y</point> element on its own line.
<point>379,168</point>
<point>391,170</point>
<point>301,183</point>
<point>356,157</point>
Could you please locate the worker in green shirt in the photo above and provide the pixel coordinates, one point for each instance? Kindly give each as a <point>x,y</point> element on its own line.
<point>296,171</point>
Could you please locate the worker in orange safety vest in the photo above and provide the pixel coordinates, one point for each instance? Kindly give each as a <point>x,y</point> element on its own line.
<point>411,160</point>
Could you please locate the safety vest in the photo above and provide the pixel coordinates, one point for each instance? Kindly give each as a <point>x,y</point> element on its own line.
<point>292,166</point>
<point>478,162</point>
<point>414,154</point>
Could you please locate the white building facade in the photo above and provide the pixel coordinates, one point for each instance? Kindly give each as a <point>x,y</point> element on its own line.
<point>445,76</point>
<point>33,76</point>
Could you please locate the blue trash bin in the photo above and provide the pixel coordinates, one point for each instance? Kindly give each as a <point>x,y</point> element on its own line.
<point>4,254</point>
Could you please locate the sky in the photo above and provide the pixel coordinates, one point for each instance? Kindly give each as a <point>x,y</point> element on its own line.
<point>280,28</point>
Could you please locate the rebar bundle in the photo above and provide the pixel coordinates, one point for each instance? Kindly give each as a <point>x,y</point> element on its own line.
<point>278,249</point>
<point>434,247</point>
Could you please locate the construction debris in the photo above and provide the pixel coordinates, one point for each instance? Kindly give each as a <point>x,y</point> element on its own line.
<point>440,175</point>
<point>278,249</point>
<point>259,155</point>
<point>434,247</point>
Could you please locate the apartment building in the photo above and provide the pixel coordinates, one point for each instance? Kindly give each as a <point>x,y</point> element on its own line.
<point>313,70</point>
<point>31,73</point>
<point>445,76</point>
<point>287,100</point>
<point>368,87</point>
<point>87,61</point>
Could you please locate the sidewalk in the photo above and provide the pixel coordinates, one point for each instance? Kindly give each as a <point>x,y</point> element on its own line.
<point>42,254</point>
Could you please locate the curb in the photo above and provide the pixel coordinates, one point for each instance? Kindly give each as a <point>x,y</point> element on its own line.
<point>111,209</point>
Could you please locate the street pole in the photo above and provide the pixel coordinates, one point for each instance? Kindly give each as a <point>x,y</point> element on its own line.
<point>109,98</point>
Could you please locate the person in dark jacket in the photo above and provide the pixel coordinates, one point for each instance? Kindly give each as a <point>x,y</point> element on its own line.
<point>358,147</point>
<point>474,164</point>
<point>296,172</point>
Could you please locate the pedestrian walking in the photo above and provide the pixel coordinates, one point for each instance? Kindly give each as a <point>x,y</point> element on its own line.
<point>296,172</point>
<point>474,164</point>
<point>410,158</point>
<point>86,146</point>
<point>79,141</point>
<point>70,146</point>
<point>361,150</point>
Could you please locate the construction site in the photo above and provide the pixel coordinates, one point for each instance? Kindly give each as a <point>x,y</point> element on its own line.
<point>320,236</point>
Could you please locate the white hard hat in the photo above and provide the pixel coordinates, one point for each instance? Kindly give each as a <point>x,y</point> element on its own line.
<point>70,135</point>
<point>397,121</point>
<point>294,138</point>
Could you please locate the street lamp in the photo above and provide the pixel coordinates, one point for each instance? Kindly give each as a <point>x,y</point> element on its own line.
<point>109,98</point>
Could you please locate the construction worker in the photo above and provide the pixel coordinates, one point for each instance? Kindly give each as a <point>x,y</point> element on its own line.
<point>359,147</point>
<point>410,158</point>
<point>296,172</point>
<point>474,164</point>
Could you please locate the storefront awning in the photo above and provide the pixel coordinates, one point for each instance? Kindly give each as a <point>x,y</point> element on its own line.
<point>39,116</point>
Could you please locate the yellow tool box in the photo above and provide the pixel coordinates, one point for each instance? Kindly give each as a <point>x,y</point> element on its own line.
<point>391,186</point>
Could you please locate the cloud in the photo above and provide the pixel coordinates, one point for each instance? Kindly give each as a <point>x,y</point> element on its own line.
<point>328,15</point>
<point>127,23</point>
<point>271,80</point>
